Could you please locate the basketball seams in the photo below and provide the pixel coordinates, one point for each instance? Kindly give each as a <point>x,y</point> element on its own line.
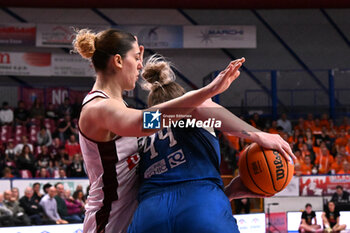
<point>268,166</point>
<point>287,177</point>
<point>247,166</point>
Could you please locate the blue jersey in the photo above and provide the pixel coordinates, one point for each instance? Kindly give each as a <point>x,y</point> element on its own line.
<point>175,155</point>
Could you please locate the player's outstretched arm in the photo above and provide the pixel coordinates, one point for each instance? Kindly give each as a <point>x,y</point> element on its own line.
<point>113,116</point>
<point>237,127</point>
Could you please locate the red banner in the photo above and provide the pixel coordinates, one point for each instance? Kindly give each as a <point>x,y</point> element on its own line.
<point>17,34</point>
<point>322,185</point>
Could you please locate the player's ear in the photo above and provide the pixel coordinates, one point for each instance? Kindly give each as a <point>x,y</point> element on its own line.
<point>118,61</point>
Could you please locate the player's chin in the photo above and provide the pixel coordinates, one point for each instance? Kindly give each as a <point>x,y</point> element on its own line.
<point>130,87</point>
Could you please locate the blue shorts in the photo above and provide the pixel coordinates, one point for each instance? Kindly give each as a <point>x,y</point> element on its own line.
<point>195,206</point>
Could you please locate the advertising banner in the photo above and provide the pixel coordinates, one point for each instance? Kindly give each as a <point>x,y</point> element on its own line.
<point>220,36</point>
<point>17,34</point>
<point>323,185</point>
<point>248,223</point>
<point>278,222</point>
<point>157,37</point>
<point>68,228</point>
<point>60,35</point>
<point>70,184</point>
<point>26,64</point>
<point>291,190</point>
<point>71,65</point>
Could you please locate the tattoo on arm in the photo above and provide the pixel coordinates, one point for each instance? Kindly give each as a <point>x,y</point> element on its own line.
<point>245,133</point>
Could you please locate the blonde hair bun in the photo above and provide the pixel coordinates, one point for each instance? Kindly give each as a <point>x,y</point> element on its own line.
<point>157,72</point>
<point>84,43</point>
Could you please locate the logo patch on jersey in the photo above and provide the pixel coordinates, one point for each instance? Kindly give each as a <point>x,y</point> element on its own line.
<point>151,119</point>
<point>176,158</point>
<point>156,168</point>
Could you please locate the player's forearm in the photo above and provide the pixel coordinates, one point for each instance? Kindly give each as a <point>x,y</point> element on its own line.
<point>229,122</point>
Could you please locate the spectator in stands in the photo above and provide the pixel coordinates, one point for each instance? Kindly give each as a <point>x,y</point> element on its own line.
<point>44,158</point>
<point>66,128</point>
<point>324,159</point>
<point>62,173</point>
<point>5,214</point>
<point>62,207</point>
<point>7,173</point>
<point>273,128</point>
<point>72,146</point>
<point>19,147</point>
<point>306,167</point>
<point>323,137</point>
<point>341,140</point>
<point>49,205</point>
<point>19,217</point>
<point>73,207</point>
<point>300,125</point>
<point>309,123</point>
<point>43,173</point>
<point>317,127</point>
<point>46,187</point>
<point>330,219</point>
<point>309,138</point>
<point>63,158</point>
<point>26,160</point>
<point>344,153</point>
<point>32,208</point>
<point>66,108</point>
<point>37,195</point>
<point>10,151</point>
<point>6,114</point>
<point>325,121</point>
<point>337,164</point>
<point>21,114</point>
<point>51,112</point>
<point>15,193</point>
<point>341,197</point>
<point>308,220</point>
<point>37,111</point>
<point>346,168</point>
<point>56,144</point>
<point>76,169</point>
<point>305,151</point>
<point>44,137</point>
<point>257,122</point>
<point>78,195</point>
<point>285,124</point>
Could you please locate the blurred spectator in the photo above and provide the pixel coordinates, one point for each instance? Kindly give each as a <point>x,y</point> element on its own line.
<point>51,112</point>
<point>74,208</point>
<point>345,124</point>
<point>37,195</point>
<point>309,123</point>
<point>18,215</point>
<point>21,114</point>
<point>346,168</point>
<point>66,128</point>
<point>15,193</point>
<point>10,151</point>
<point>341,140</point>
<point>43,173</point>
<point>62,173</point>
<point>49,205</point>
<point>325,121</point>
<point>19,147</point>
<point>309,138</point>
<point>317,127</point>
<point>62,207</point>
<point>44,158</point>
<point>44,137</point>
<point>306,167</point>
<point>46,187</point>
<point>308,220</point>
<point>66,108</point>
<point>26,160</point>
<point>78,195</point>
<point>306,151</point>
<point>285,124</point>
<point>324,159</point>
<point>330,219</point>
<point>323,137</point>
<point>63,158</point>
<point>6,114</point>
<point>76,169</point>
<point>300,125</point>
<point>56,144</point>
<point>7,173</point>
<point>338,164</point>
<point>341,198</point>
<point>72,146</point>
<point>273,128</point>
<point>257,122</point>
<point>32,208</point>
<point>37,111</point>
<point>241,204</point>
<point>5,214</point>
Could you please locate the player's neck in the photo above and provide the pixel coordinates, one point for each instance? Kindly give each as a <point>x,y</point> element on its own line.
<point>112,89</point>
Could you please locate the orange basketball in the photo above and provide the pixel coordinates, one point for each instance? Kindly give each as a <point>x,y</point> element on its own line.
<point>264,171</point>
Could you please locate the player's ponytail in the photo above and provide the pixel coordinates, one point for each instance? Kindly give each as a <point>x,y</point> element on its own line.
<point>160,81</point>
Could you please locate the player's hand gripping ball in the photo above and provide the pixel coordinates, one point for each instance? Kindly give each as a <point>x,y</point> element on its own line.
<point>264,171</point>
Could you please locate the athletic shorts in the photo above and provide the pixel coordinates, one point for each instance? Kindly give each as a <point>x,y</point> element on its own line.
<point>188,207</point>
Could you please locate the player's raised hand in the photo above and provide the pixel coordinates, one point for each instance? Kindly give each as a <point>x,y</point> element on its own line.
<point>275,142</point>
<point>226,77</point>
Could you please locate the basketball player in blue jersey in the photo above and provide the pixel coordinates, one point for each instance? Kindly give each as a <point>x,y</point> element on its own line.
<point>181,188</point>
